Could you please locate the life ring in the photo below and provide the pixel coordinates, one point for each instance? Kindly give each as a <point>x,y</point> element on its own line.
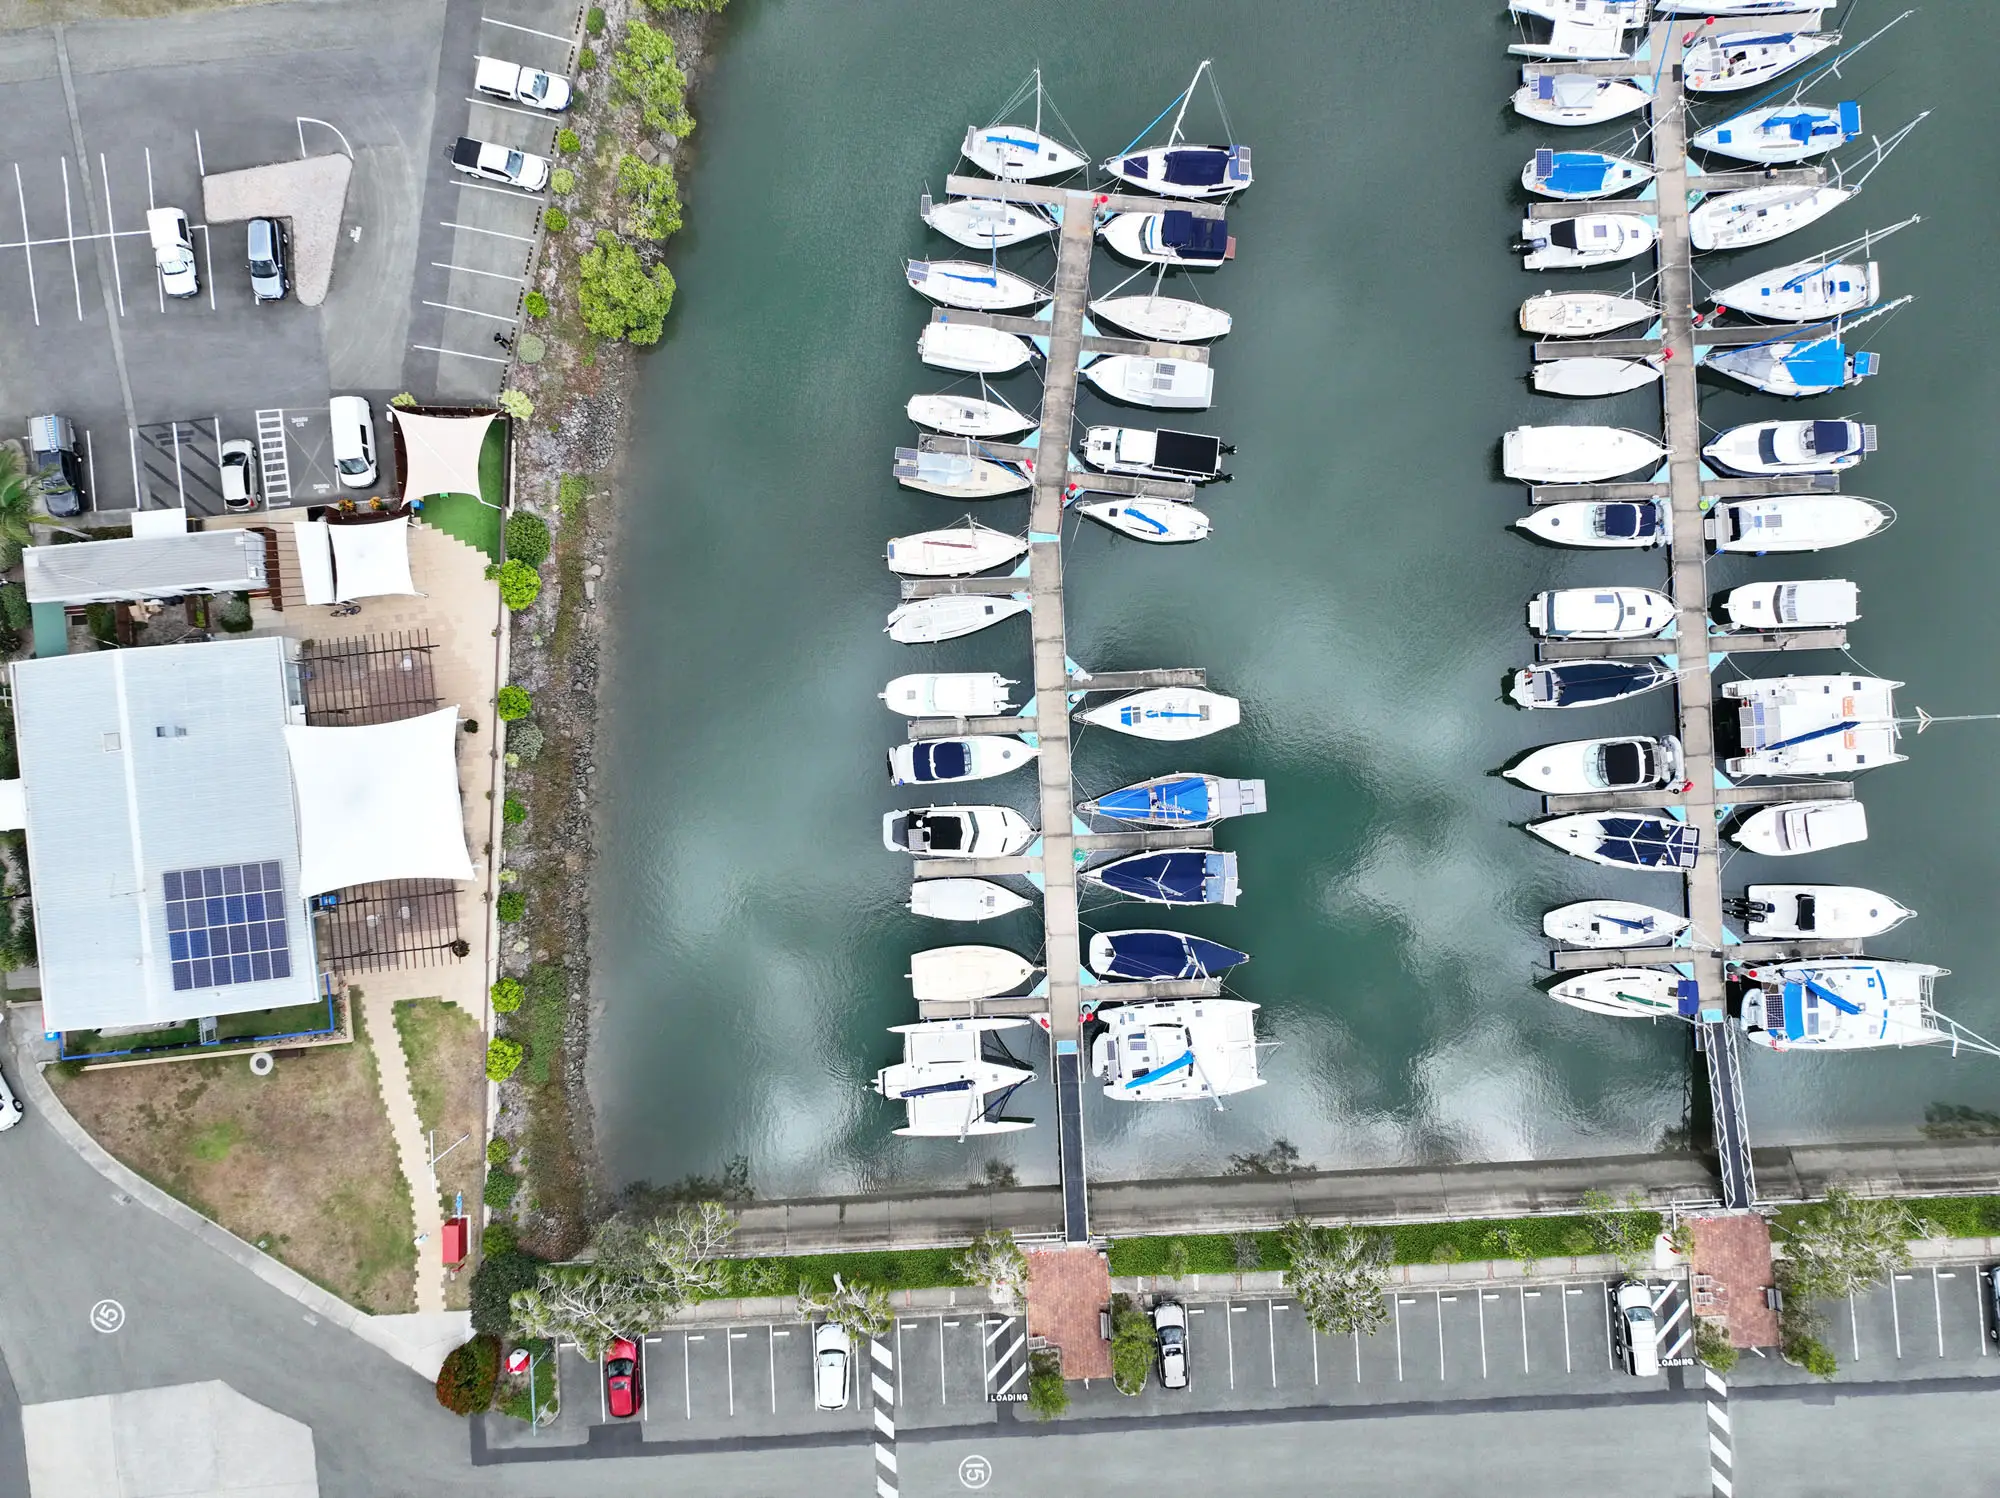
<point>262,1063</point>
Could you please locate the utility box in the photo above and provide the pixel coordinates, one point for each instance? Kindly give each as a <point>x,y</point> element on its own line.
<point>454,1241</point>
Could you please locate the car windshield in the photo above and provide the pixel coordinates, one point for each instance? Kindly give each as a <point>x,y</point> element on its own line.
<point>1170,1337</point>
<point>354,465</point>
<point>262,268</point>
<point>514,160</point>
<point>619,1367</point>
<point>538,85</point>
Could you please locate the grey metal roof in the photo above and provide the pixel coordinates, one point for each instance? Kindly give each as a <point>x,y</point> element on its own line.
<point>225,561</point>
<point>139,763</point>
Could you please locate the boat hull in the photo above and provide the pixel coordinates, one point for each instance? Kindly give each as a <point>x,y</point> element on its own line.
<point>1164,522</point>
<point>1571,768</point>
<point>1169,714</point>
<point>1606,925</point>
<point>1592,378</point>
<point>1622,992</point>
<point>928,620</point>
<point>1728,65</point>
<point>1576,455</point>
<point>1163,384</point>
<point>1571,684</point>
<point>1590,101</point>
<point>953,476</point>
<point>957,831</point>
<point>964,900</point>
<point>955,551</point>
<point>1582,314</point>
<point>960,416</point>
<point>1137,237</point>
<point>974,287</point>
<point>1803,291</point>
<point>1576,176</point>
<point>947,694</point>
<point>1018,154</point>
<point>1181,800</point>
<point>1154,170</point>
<point>1177,1050</point>
<point>1621,841</point>
<point>1587,523</point>
<point>986,223</point>
<point>952,761</point>
<point>1835,912</point>
<point>971,350</point>
<point>1599,239</point>
<point>1758,215</point>
<point>1167,319</point>
<point>1152,956</point>
<point>1780,133</point>
<point>1795,827</point>
<point>943,974</point>
<point>1797,522</point>
<point>1179,878</point>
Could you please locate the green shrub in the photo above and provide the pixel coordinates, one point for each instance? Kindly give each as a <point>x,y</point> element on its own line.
<point>528,537</point>
<point>545,1011</point>
<point>520,584</point>
<point>644,67</point>
<point>234,615</point>
<point>512,702</point>
<point>511,906</point>
<point>586,59</point>
<point>568,142</point>
<point>103,621</point>
<point>502,1270</point>
<point>498,1151</point>
<point>1713,1347</point>
<point>554,220</point>
<point>513,811</point>
<point>570,494</point>
<point>14,607</point>
<point>562,181</point>
<point>619,296</point>
<point>496,1240</point>
<point>593,21</point>
<point>1048,1395</point>
<point>502,1056</point>
<point>470,1373</point>
<point>535,304</point>
<point>708,6</point>
<point>1133,1345</point>
<point>506,994</point>
<point>502,1186</point>
<point>653,197</point>
<point>1810,1353</point>
<point>529,348</point>
<point>524,742</point>
<point>404,399</point>
<point>516,405</point>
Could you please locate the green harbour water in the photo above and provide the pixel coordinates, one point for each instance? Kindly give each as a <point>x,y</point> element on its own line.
<point>1362,595</point>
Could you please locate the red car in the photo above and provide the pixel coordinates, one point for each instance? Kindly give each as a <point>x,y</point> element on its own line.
<point>622,1394</point>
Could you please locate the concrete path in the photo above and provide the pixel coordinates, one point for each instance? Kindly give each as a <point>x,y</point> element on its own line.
<point>392,1072</point>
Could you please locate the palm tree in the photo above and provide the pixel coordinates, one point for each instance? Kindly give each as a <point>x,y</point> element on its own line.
<point>17,499</point>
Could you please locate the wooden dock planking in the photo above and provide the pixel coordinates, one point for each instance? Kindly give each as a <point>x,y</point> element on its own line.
<point>976,868</point>
<point>1025,1006</point>
<point>1129,486</point>
<point>962,587</point>
<point>1169,988</point>
<point>1737,336</point>
<point>1733,642</point>
<point>1139,681</point>
<point>1036,327</point>
<point>1151,840</point>
<point>1733,796</point>
<point>1067,197</point>
<point>1711,488</point>
<point>1576,960</point>
<point>958,728</point>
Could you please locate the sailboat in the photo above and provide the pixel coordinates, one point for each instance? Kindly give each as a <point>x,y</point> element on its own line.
<point>1582,522</point>
<point>1801,366</point>
<point>955,1078</point>
<point>1579,30</point>
<point>1591,239</point>
<point>1179,170</point>
<point>1585,683</point>
<point>943,974</point>
<point>963,416</point>
<point>955,551</point>
<point>1181,800</point>
<point>1733,62</point>
<point>957,475</point>
<point>1582,174</point>
<point>1602,924</point>
<point>986,223</point>
<point>1823,285</point>
<point>1582,314</point>
<point>1017,152</point>
<point>971,350</point>
<point>1592,377</point>
<point>1162,521</point>
<point>964,899</point>
<point>1157,956</point>
<point>1777,133</point>
<point>925,621</point>
<point>1623,841</point>
<point>1169,713</point>
<point>1177,1049</point>
<point>1577,98</point>
<point>971,285</point>
<point>1183,877</point>
<point>1626,992</point>
<point>1162,318</point>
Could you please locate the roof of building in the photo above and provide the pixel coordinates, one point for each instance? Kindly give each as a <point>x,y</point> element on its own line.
<point>163,843</point>
<point>224,561</point>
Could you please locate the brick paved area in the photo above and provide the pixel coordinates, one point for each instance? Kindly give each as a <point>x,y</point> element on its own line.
<point>1735,1253</point>
<point>1067,1288</point>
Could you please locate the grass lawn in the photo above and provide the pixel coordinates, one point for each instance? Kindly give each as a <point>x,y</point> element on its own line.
<point>476,522</point>
<point>447,1057</point>
<point>301,1162</point>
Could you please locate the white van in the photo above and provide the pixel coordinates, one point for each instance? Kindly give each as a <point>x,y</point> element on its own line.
<point>173,251</point>
<point>1637,1330</point>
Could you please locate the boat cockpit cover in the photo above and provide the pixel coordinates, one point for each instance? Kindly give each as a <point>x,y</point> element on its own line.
<point>1830,438</point>
<point>380,801</point>
<point>1194,238</point>
<point>1152,954</point>
<point>1196,168</point>
<point>1807,913</point>
<point>441,453</point>
<point>1575,171</point>
<point>1177,878</point>
<point>945,759</point>
<point>1569,90</point>
<point>1562,233</point>
<point>1631,520</point>
<point>938,834</point>
<point>1624,765</point>
<point>1589,681</point>
<point>1648,843</point>
<point>1821,362</point>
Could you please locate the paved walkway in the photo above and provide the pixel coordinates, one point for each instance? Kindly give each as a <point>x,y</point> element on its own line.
<point>392,1071</point>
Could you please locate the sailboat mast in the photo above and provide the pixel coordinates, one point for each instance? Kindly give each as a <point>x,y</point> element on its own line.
<point>1174,135</point>
<point>1038,100</point>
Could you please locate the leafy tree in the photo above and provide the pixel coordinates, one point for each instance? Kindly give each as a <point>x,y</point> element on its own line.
<point>1178,1264</point>
<point>1713,1347</point>
<point>503,1269</point>
<point>1134,1343</point>
<point>1621,1227</point>
<point>1338,1275</point>
<point>506,995</point>
<point>644,67</point>
<point>653,196</point>
<point>14,608</point>
<point>1048,1395</point>
<point>618,296</point>
<point>994,1260</point>
<point>862,1310</point>
<point>527,537</point>
<point>502,1057</point>
<point>585,1306</point>
<point>1845,1244</point>
<point>640,1274</point>
<point>516,405</point>
<point>512,702</point>
<point>470,1373</point>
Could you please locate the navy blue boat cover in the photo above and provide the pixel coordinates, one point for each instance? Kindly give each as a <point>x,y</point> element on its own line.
<point>1175,878</point>
<point>1202,168</point>
<point>1649,842</point>
<point>945,759</point>
<point>1831,437</point>
<point>1591,681</point>
<point>1631,519</point>
<point>1195,238</point>
<point>1145,955</point>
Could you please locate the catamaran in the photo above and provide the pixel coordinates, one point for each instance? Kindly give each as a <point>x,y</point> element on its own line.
<point>1167,319</point>
<point>1733,62</point>
<point>1177,1049</point>
<point>1579,30</point>
<point>1178,170</point>
<point>1599,613</point>
<point>1156,956</point>
<point>955,1078</point>
<point>1627,992</point>
<point>1622,840</point>
<point>1167,384</point>
<point>1175,237</point>
<point>1161,454</point>
<point>925,621</point>
<point>1738,7</point>
<point>1821,603</point>
<point>957,832</point>
<point>955,551</point>
<point>1582,314</point>
<point>1581,522</point>
<point>1777,133</point>
<point>1585,683</point>
<point>1610,924</point>
<point>975,757</point>
<point>1787,447</point>
<point>1183,877</point>
<point>986,223</point>
<point>971,350</point>
<point>944,974</point>
<point>1576,455</point>
<point>1168,713</point>
<point>1165,522</point>
<point>1582,174</point>
<point>1811,725</point>
<point>1583,766</point>
<point>948,694</point>
<point>1839,1004</point>
<point>964,899</point>
<point>1577,99</point>
<point>957,475</point>
<point>1593,239</point>
<point>1016,152</point>
<point>1796,522</point>
<point>975,287</point>
<point>1815,912</point>
<point>1182,800</point>
<point>1794,827</point>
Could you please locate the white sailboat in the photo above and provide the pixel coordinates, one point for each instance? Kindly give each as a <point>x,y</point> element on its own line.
<point>1162,318</point>
<point>1180,170</point>
<point>986,223</point>
<point>1576,454</point>
<point>1796,367</point>
<point>1578,99</point>
<point>1595,377</point>
<point>948,694</point>
<point>925,621</point>
<point>957,475</point>
<point>1817,912</point>
<point>955,1078</point>
<point>1623,992</point>
<point>1611,924</point>
<point>954,551</point>
<point>1177,1049</point>
<point>971,285</point>
<point>1166,384</point>
<point>1634,524</point>
<point>1794,827</point>
<point>1758,215</point>
<point>1168,713</point>
<point>1589,239</point>
<point>1166,521</point>
<point>1582,314</point>
<point>971,350</point>
<point>1733,62</point>
<point>1778,133</point>
<point>964,899</point>
<point>1582,174</point>
<point>943,974</point>
<point>1797,522</point>
<point>963,416</point>
<point>1804,290</point>
<point>1020,153</point>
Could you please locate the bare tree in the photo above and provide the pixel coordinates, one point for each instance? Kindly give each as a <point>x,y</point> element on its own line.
<point>1843,1245</point>
<point>863,1310</point>
<point>641,1273</point>
<point>995,1261</point>
<point>584,1307</point>
<point>1338,1275</point>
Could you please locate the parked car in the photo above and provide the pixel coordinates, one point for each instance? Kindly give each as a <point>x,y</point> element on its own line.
<point>1635,1330</point>
<point>173,251</point>
<point>1170,1323</point>
<point>622,1393</point>
<point>268,252</point>
<point>10,1107</point>
<point>529,86</point>
<point>1993,1279</point>
<point>353,440</point>
<point>56,466</point>
<point>831,1349</point>
<point>482,158</point>
<point>239,475</point>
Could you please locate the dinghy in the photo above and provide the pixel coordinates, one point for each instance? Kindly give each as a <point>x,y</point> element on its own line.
<point>1177,1049</point>
<point>1592,377</point>
<point>1758,215</point>
<point>1815,912</point>
<point>1824,603</point>
<point>1162,318</point>
<point>1161,454</point>
<point>1623,840</point>
<point>1796,522</point>
<point>1625,992</point>
<point>1582,174</point>
<point>1610,924</point>
<point>979,757</point>
<point>1840,1004</point>
<point>1166,384</point>
<point>945,974</point>
<point>1599,613</point>
<point>925,621</point>
<point>1167,522</point>
<point>971,350</point>
<point>1591,239</point>
<point>1778,133</point>
<point>948,694</point>
<point>1182,800</point>
<point>1795,368</point>
<point>976,287</point>
<point>1017,152</point>
<point>1810,725</point>
<point>1582,766</point>
<point>1576,455</point>
<point>1585,683</point>
<point>1186,877</point>
<point>955,1078</point>
<point>1178,169</point>
<point>1577,99</point>
<point>1175,237</point>
<point>957,475</point>
<point>1786,447</point>
<point>957,832</point>
<point>1157,956</point>
<point>1582,314</point>
<point>962,416</point>
<point>1793,827</point>
<point>986,223</point>
<point>1582,522</point>
<point>956,551</point>
<point>964,899</point>
<point>1732,62</point>
<point>1167,713</point>
<point>1803,291</point>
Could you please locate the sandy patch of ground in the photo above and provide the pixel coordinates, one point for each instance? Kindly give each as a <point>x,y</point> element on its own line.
<point>18,15</point>
<point>446,1051</point>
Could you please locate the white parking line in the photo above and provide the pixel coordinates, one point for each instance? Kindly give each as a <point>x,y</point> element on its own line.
<point>200,165</point>
<point>90,462</point>
<point>1438,1296</point>
<point>943,1396</point>
<point>27,254</point>
<point>1854,1328</point>
<point>1567,1293</point>
<point>771,1350</point>
<point>69,223</point>
<point>208,263</point>
<point>645,1380</point>
<point>520,193</point>
<point>510,26</point>
<point>138,494</point>
<point>111,226</point>
<point>151,202</point>
<point>1482,1299</point>
<point>687,1383</point>
<point>1525,1293</point>
<point>1271,1324</point>
<point>1401,1301</point>
<point>1313,1332</point>
<point>1937,1302</point>
<point>470,311</point>
<point>533,114</point>
<point>1357,1356</point>
<point>603,1398</point>
<point>442,223</point>
<point>1610,1352</point>
<point>1978,1312</point>
<point>1895,1313</point>
<point>431,348</point>
<point>496,275</point>
<point>1229,1333</point>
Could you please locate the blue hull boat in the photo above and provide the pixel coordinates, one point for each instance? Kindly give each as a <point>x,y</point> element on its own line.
<point>1152,956</point>
<point>1181,878</point>
<point>1179,801</point>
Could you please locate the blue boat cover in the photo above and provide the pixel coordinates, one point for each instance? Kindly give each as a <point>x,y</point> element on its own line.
<point>1821,363</point>
<point>1631,519</point>
<point>1573,171</point>
<point>1850,118</point>
<point>1196,168</point>
<point>1800,126</point>
<point>1194,238</point>
<point>1648,842</point>
<point>1594,681</point>
<point>942,759</point>
<point>1831,438</point>
<point>1182,878</point>
<point>1180,802</point>
<point>1146,955</point>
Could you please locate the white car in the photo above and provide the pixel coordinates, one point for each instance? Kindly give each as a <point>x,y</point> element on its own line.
<point>529,86</point>
<point>239,475</point>
<point>831,1349</point>
<point>173,251</point>
<point>1170,1324</point>
<point>10,1107</point>
<point>353,440</point>
<point>482,158</point>
<point>1636,1331</point>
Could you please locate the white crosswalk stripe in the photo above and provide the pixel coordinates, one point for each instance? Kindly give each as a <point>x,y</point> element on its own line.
<point>1722,1463</point>
<point>884,1390</point>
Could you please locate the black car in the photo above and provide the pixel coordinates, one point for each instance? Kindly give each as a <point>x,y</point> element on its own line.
<point>55,467</point>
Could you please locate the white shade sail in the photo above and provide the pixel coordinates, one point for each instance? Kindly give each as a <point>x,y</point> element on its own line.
<point>315,559</point>
<point>378,802</point>
<point>371,559</point>
<point>441,453</point>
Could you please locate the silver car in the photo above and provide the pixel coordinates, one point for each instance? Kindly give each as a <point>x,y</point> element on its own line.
<point>267,260</point>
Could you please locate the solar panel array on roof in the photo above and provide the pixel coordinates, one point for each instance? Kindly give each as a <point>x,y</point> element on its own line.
<point>226,925</point>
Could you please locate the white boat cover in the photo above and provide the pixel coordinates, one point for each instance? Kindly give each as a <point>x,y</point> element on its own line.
<point>378,802</point>
<point>371,560</point>
<point>441,453</point>
<point>315,549</point>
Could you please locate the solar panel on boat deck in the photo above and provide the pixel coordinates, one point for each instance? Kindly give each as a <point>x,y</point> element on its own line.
<point>226,925</point>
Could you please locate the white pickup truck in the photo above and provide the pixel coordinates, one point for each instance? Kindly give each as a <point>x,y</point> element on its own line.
<point>529,86</point>
<point>482,158</point>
